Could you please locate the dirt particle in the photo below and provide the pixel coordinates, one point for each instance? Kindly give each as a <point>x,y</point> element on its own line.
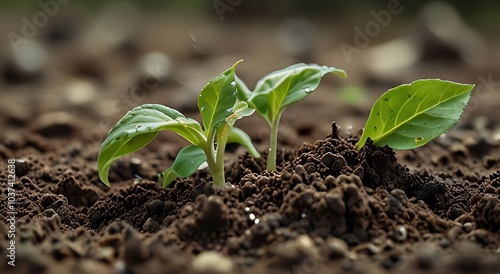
<point>335,203</point>
<point>393,207</point>
<point>249,188</point>
<point>427,257</point>
<point>296,179</point>
<point>135,251</point>
<point>487,213</point>
<point>51,222</point>
<point>47,200</point>
<point>77,194</point>
<point>399,194</point>
<point>150,225</point>
<point>334,162</point>
<point>301,171</point>
<point>213,212</point>
<point>155,207</point>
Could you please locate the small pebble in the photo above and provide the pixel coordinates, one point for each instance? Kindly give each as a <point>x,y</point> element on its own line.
<point>136,165</point>
<point>120,268</point>
<point>296,249</point>
<point>56,124</point>
<point>400,233</point>
<point>155,67</point>
<point>468,227</point>
<point>212,262</point>
<point>150,225</point>
<point>399,194</point>
<point>22,167</point>
<point>337,248</point>
<point>26,62</point>
<point>80,92</point>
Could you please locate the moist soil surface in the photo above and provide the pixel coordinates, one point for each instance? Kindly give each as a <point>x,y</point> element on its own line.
<point>328,209</point>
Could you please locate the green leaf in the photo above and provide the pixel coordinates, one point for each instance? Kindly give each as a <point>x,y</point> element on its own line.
<point>217,99</point>
<point>409,116</point>
<point>281,88</point>
<point>238,136</point>
<point>138,128</point>
<point>188,160</point>
<point>242,90</point>
<point>240,110</point>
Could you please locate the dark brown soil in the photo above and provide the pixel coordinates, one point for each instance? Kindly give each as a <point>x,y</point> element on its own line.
<point>328,209</point>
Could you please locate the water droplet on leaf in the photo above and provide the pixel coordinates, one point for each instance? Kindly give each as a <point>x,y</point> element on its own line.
<point>307,90</point>
<point>233,83</point>
<point>202,108</point>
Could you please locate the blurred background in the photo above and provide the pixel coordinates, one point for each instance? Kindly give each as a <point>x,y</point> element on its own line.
<point>70,69</point>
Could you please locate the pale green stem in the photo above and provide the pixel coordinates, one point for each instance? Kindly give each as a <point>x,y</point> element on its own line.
<point>273,143</point>
<point>215,157</point>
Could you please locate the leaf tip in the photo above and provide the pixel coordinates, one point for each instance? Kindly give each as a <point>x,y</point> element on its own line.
<point>236,64</point>
<point>340,73</point>
<point>104,179</point>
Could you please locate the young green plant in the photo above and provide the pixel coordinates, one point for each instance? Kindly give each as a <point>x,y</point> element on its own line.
<point>409,116</point>
<point>219,109</point>
<point>280,89</point>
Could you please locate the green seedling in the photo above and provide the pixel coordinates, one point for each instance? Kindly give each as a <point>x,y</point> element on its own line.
<point>219,108</point>
<point>411,115</point>
<point>280,89</point>
<point>404,117</point>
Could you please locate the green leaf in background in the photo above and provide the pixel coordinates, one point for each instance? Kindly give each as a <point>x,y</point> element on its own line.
<point>138,128</point>
<point>284,87</point>
<point>240,137</point>
<point>187,161</point>
<point>217,99</point>
<point>411,115</point>
<point>352,95</point>
<point>243,91</point>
